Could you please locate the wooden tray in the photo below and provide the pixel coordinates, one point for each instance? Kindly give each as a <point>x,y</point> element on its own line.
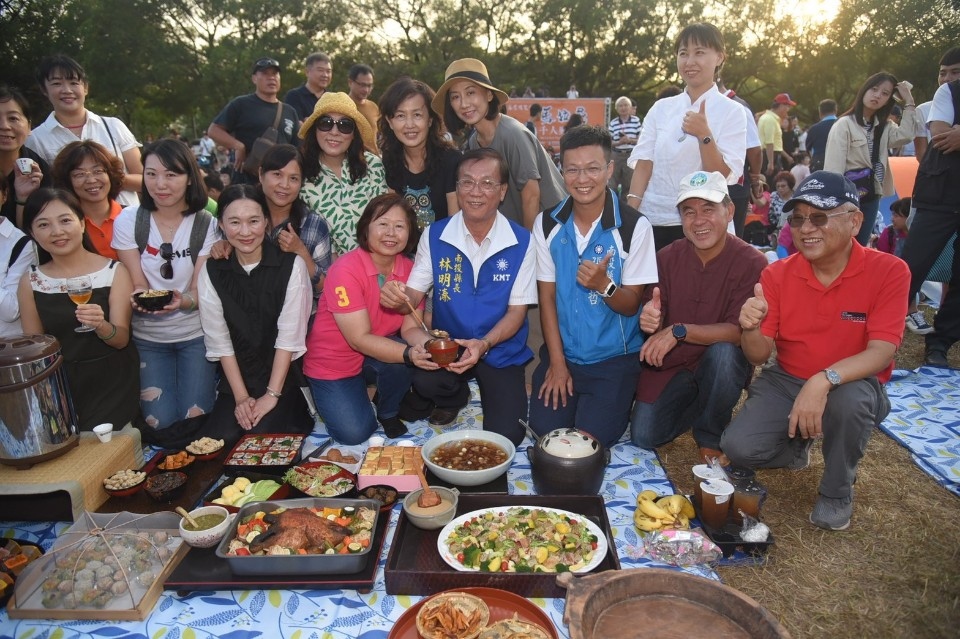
<point>502,604</point>
<point>497,486</point>
<point>202,570</point>
<point>200,476</point>
<point>414,567</point>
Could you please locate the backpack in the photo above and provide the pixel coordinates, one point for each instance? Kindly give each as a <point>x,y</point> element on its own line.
<point>18,249</point>
<point>201,222</point>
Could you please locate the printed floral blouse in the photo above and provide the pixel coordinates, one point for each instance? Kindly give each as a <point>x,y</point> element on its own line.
<point>341,203</point>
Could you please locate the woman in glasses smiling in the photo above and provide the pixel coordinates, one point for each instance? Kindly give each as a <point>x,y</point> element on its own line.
<point>163,244</point>
<point>95,177</point>
<point>102,365</point>
<point>340,178</point>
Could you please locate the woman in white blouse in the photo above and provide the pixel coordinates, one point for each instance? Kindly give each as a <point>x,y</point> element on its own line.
<point>254,308</point>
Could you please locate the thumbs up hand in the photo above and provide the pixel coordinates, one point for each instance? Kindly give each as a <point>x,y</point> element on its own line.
<point>651,317</point>
<point>593,275</point>
<point>754,310</point>
<point>695,122</point>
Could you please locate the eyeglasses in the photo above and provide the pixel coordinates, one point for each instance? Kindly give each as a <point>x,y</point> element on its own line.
<point>166,253</point>
<point>345,126</point>
<point>817,219</point>
<point>591,172</point>
<point>79,175</point>
<point>487,186</point>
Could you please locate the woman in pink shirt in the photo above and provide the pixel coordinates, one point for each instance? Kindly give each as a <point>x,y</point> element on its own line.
<point>354,340</point>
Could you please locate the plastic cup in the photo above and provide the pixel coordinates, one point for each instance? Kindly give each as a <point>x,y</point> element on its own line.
<point>701,473</point>
<point>104,432</point>
<point>376,440</point>
<point>25,165</point>
<point>717,495</point>
<point>748,496</point>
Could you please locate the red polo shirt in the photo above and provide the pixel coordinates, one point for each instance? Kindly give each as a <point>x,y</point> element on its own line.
<point>101,236</point>
<point>815,327</point>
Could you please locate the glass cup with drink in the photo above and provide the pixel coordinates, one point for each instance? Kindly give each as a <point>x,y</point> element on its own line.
<point>79,290</point>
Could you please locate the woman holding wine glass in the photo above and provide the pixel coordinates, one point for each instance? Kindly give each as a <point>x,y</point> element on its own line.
<point>82,299</point>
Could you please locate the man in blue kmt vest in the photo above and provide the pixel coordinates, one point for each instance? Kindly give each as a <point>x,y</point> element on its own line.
<point>595,254</point>
<point>482,269</point>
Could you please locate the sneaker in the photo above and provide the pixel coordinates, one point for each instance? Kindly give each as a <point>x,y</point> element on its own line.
<point>936,357</point>
<point>393,427</point>
<point>917,323</point>
<point>801,458</point>
<point>832,514</point>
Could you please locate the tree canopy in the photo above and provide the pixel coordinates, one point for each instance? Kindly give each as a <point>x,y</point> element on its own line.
<point>162,63</point>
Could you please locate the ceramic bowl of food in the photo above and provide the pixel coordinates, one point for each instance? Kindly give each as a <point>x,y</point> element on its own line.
<point>124,483</point>
<point>433,517</point>
<point>176,461</point>
<point>166,486</point>
<point>213,522</point>
<point>468,457</point>
<point>153,300</point>
<point>386,495</point>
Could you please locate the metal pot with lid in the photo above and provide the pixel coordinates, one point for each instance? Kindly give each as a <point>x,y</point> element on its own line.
<point>568,461</point>
<point>37,418</point>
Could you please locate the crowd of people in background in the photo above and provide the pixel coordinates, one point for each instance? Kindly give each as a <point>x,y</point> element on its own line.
<point>300,255</point>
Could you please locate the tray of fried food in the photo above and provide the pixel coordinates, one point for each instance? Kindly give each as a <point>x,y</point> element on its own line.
<point>452,614</point>
<point>176,461</point>
<point>205,447</point>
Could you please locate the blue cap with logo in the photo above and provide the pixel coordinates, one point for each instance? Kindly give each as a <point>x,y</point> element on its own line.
<point>825,191</point>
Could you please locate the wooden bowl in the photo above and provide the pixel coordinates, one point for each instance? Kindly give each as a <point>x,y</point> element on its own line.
<point>458,605</point>
<point>129,490</point>
<point>166,486</point>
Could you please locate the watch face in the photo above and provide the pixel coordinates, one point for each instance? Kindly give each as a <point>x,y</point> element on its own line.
<point>832,376</point>
<point>680,332</point>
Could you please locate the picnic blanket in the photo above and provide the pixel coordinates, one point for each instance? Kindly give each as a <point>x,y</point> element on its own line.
<point>925,418</point>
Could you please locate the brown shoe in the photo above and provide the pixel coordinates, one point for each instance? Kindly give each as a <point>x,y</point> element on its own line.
<point>707,455</point>
<point>443,416</point>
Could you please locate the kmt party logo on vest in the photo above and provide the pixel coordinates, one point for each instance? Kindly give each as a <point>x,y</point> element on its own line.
<point>502,265</point>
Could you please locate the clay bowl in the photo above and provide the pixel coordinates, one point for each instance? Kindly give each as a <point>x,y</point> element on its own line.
<point>386,495</point>
<point>153,300</point>
<point>167,486</point>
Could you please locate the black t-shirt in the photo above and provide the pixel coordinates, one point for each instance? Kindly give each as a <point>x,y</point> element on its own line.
<point>302,100</point>
<point>9,208</point>
<point>428,193</point>
<point>247,117</point>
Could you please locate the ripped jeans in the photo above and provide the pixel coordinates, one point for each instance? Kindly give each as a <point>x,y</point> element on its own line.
<point>176,381</point>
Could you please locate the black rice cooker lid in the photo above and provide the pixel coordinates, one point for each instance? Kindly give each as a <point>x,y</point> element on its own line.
<point>27,348</point>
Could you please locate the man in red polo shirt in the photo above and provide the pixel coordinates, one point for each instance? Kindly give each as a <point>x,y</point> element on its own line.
<point>834,312</point>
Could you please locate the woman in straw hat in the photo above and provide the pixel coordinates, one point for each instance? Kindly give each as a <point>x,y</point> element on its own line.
<point>467,98</point>
<point>340,178</point>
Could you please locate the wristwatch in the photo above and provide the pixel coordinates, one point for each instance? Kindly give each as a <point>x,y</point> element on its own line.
<point>679,333</point>
<point>833,377</point>
<point>610,290</point>
<point>707,139</point>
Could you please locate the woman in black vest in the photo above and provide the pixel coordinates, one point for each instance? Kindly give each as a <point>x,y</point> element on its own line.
<point>254,309</point>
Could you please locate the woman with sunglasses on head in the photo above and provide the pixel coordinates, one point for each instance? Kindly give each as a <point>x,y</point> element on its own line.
<point>254,306</point>
<point>859,142</point>
<point>420,163</point>
<point>699,129</point>
<point>164,243</point>
<point>340,176</point>
<point>95,177</point>
<point>102,366</point>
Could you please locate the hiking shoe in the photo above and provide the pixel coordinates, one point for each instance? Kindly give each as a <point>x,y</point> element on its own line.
<point>801,457</point>
<point>392,426</point>
<point>917,323</point>
<point>832,514</point>
<point>936,357</point>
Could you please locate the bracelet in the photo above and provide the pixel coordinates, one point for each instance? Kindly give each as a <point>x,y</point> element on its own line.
<point>905,106</point>
<point>630,195</point>
<point>489,347</point>
<point>20,202</point>
<point>193,302</point>
<point>406,356</point>
<point>273,393</point>
<point>112,334</point>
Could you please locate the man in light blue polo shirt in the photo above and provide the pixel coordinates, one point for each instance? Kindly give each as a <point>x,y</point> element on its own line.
<point>594,256</point>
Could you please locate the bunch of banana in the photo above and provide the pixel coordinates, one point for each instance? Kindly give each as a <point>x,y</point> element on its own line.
<point>655,512</point>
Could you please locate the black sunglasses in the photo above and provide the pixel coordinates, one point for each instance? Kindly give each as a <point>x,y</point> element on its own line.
<point>166,253</point>
<point>345,126</point>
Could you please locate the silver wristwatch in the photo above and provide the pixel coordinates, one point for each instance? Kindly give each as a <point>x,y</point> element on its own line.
<point>833,377</point>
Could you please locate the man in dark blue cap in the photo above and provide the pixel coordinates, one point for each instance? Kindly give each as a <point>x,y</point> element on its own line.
<point>835,313</point>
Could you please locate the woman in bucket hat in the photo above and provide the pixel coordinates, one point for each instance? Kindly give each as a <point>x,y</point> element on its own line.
<point>340,177</point>
<point>468,98</point>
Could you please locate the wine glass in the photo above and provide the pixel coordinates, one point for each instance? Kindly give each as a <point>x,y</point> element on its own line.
<point>79,290</point>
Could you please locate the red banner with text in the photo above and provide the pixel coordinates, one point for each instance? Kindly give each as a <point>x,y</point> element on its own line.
<point>556,113</point>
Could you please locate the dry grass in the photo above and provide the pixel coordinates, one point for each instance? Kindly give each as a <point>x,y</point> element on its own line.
<point>894,573</point>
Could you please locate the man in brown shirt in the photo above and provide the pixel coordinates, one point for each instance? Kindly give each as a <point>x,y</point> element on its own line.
<point>360,81</point>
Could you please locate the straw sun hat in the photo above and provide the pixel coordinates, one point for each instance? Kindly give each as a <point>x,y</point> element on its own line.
<point>465,69</point>
<point>331,102</point>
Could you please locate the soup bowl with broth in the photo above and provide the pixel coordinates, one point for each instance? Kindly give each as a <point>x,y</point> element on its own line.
<point>468,457</point>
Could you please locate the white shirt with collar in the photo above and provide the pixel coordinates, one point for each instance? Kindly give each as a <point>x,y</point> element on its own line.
<point>673,157</point>
<point>50,137</point>
<point>499,237</point>
<point>10,276</point>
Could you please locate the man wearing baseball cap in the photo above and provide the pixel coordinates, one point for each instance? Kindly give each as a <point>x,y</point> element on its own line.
<point>835,313</point>
<point>771,134</point>
<point>248,117</point>
<point>693,368</point>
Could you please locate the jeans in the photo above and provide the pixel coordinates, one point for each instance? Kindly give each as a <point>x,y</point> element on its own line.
<point>870,209</point>
<point>345,407</point>
<point>176,381</point>
<point>602,395</point>
<point>702,400</point>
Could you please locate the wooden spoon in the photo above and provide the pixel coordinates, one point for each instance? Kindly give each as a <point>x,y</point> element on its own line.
<point>429,497</point>
<point>416,315</point>
<point>186,515</point>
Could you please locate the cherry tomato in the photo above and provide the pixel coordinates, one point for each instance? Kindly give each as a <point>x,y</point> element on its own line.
<point>460,557</point>
<point>593,545</point>
<point>242,552</point>
<point>504,565</point>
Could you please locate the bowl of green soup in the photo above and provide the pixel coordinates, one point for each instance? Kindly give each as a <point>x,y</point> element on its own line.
<point>212,524</point>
